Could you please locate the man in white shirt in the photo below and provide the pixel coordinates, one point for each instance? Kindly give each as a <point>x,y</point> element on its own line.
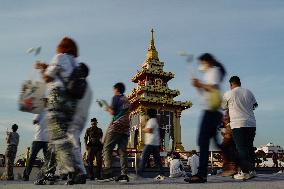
<point>40,143</point>
<point>241,103</point>
<point>193,162</point>
<point>152,144</point>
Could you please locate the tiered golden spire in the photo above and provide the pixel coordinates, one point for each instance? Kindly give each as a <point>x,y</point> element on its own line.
<point>152,53</point>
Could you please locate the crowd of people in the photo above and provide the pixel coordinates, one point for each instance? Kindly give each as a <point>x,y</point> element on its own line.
<point>68,98</point>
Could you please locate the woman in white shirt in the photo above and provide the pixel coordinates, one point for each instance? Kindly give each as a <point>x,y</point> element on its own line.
<point>213,75</point>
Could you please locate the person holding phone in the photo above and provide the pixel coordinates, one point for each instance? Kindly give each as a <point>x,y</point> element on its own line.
<point>117,133</point>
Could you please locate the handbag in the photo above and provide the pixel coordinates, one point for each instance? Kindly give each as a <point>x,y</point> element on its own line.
<point>32,97</point>
<point>215,99</point>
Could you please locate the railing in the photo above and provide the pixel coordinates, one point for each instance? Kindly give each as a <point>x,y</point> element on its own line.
<point>215,159</point>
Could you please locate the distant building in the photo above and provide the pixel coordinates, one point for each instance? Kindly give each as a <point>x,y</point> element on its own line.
<point>270,148</point>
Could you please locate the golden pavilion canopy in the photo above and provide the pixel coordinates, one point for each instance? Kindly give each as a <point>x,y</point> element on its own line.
<point>152,91</point>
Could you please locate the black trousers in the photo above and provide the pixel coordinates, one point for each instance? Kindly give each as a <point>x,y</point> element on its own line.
<point>36,147</point>
<point>92,153</point>
<point>244,138</point>
<point>208,129</point>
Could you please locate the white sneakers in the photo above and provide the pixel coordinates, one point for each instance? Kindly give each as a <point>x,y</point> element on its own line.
<point>159,178</point>
<point>244,176</point>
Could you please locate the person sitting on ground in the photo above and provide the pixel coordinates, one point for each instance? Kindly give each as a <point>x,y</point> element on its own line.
<point>152,144</point>
<point>193,162</point>
<point>176,167</point>
<point>11,152</point>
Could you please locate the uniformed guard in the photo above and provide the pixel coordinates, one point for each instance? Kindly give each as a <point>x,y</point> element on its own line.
<point>94,146</point>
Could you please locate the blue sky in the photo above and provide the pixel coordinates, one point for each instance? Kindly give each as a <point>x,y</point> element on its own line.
<point>247,36</point>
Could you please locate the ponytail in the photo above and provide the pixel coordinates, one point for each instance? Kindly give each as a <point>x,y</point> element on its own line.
<point>222,69</point>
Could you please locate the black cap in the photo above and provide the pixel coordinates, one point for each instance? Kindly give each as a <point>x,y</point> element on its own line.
<point>94,120</point>
<point>15,127</point>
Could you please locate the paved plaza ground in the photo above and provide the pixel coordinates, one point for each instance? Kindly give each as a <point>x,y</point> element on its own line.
<point>263,181</point>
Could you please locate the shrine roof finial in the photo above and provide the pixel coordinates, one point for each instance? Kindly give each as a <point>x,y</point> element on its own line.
<point>152,45</point>
<point>152,53</point>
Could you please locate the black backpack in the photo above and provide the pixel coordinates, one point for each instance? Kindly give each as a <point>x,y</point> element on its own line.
<point>77,84</point>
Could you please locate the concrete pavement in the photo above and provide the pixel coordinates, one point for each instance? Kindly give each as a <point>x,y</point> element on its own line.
<point>263,181</point>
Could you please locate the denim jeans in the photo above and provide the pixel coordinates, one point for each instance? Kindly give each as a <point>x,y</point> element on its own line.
<point>244,138</point>
<point>111,140</point>
<point>210,122</point>
<point>147,151</point>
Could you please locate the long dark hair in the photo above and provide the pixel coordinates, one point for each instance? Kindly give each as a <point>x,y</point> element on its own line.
<point>214,62</point>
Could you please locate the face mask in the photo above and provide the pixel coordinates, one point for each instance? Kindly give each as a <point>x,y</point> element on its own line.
<point>202,68</point>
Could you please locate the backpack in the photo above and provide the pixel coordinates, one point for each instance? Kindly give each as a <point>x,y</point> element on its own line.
<point>77,84</point>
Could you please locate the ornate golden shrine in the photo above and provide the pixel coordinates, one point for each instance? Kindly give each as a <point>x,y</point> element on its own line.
<point>152,91</point>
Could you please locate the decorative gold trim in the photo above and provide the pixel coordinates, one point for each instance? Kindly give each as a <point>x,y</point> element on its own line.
<point>179,147</point>
<point>160,73</point>
<point>157,89</point>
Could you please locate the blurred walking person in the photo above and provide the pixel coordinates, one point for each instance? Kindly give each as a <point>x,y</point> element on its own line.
<point>93,142</point>
<point>76,127</point>
<point>152,145</point>
<point>11,152</point>
<point>209,90</point>
<point>241,103</point>
<point>60,106</point>
<point>117,133</point>
<point>40,143</point>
